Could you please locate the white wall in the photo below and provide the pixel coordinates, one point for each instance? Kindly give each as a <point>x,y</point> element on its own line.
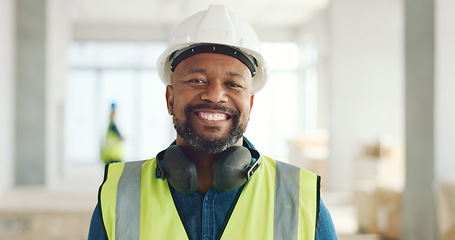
<point>445,90</point>
<point>366,80</point>
<point>58,39</point>
<point>6,94</point>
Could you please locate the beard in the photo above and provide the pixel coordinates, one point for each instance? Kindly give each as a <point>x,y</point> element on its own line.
<point>211,145</point>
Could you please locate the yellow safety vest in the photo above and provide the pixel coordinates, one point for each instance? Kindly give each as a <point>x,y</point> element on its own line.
<point>280,201</point>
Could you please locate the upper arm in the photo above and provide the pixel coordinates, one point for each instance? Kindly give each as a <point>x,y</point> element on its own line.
<point>325,229</point>
<point>97,230</point>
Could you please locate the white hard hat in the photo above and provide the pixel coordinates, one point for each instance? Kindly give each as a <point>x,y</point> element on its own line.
<point>214,30</point>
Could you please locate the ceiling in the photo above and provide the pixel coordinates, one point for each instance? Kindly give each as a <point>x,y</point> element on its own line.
<point>260,13</point>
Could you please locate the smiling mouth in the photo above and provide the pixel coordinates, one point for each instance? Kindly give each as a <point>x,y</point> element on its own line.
<point>213,116</point>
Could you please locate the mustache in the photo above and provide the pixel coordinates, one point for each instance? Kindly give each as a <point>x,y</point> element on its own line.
<point>218,107</point>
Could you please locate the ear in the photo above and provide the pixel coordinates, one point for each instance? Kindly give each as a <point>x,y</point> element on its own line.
<point>169,98</point>
<point>251,101</point>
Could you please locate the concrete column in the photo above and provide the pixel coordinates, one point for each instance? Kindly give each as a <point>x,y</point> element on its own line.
<point>30,92</point>
<point>419,215</point>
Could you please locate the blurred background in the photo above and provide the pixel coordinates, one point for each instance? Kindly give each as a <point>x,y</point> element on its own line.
<point>360,92</point>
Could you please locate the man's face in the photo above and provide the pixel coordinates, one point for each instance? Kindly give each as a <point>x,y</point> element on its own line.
<point>210,98</point>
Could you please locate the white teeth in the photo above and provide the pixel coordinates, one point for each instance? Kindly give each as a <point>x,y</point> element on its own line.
<point>213,117</point>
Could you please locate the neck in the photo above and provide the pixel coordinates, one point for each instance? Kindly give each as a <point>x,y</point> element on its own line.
<point>203,162</point>
<point>204,171</point>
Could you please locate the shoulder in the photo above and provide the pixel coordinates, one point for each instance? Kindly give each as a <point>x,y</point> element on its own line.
<point>97,230</point>
<point>129,164</point>
<point>114,171</point>
<point>270,161</point>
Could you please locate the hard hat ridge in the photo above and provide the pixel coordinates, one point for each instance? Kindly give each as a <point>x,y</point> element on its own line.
<point>219,31</point>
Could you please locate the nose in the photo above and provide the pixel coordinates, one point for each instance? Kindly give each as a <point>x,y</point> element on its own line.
<point>214,93</point>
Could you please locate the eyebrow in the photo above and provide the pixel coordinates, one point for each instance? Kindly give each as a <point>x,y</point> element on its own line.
<point>235,74</point>
<point>196,70</point>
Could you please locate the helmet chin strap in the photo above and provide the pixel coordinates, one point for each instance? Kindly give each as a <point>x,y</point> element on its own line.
<point>230,170</point>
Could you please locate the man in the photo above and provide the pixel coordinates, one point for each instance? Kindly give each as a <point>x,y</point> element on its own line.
<point>112,149</point>
<point>211,183</point>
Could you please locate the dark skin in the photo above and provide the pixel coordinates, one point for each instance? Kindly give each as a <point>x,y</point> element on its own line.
<point>209,78</point>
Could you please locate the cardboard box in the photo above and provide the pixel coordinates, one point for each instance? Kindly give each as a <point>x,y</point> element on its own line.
<point>379,212</point>
<point>446,209</point>
<point>388,213</point>
<point>366,209</point>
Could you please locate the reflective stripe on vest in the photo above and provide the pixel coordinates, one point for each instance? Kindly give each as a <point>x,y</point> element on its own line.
<point>158,216</point>
<point>278,202</point>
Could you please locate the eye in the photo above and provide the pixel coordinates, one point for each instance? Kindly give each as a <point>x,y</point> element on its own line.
<point>234,85</point>
<point>196,81</point>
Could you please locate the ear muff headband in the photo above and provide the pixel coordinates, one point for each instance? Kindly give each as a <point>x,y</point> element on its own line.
<point>231,170</point>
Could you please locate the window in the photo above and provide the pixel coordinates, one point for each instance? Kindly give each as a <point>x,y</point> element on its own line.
<point>276,113</point>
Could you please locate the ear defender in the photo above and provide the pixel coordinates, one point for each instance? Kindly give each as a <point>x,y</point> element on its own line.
<point>230,171</point>
<point>180,171</point>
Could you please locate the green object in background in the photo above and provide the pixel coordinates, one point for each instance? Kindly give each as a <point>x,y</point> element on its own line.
<point>112,150</point>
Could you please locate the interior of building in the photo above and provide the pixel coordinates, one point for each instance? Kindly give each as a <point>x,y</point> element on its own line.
<point>359,92</point>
